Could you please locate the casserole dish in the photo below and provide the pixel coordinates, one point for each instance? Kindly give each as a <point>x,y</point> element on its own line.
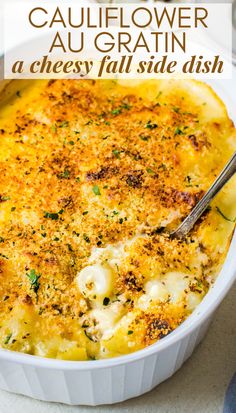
<point>117,379</point>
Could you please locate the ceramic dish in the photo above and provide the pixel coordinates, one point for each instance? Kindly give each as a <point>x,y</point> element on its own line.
<point>117,379</point>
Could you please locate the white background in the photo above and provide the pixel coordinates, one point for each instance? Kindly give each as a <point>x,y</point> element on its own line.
<point>216,40</point>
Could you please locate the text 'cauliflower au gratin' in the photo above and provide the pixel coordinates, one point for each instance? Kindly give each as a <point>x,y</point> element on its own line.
<point>94,175</point>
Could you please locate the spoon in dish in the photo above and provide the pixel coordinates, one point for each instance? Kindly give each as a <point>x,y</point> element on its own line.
<point>188,223</point>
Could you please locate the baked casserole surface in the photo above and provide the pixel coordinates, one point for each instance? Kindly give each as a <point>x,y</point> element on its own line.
<point>94,174</point>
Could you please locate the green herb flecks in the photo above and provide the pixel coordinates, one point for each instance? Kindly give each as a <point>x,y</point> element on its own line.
<point>4,256</point>
<point>126,106</point>
<point>178,131</point>
<point>4,198</point>
<point>114,213</point>
<point>53,215</point>
<point>96,190</point>
<point>53,128</point>
<point>8,338</point>
<point>86,238</point>
<point>162,167</point>
<point>116,112</point>
<point>151,125</point>
<point>224,216</point>
<point>64,175</point>
<point>90,122</point>
<point>150,171</point>
<point>116,153</point>
<point>119,110</point>
<point>34,280</point>
<point>176,109</point>
<point>145,138</point>
<point>64,124</point>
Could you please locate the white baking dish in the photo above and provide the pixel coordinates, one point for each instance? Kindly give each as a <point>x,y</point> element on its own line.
<point>114,380</point>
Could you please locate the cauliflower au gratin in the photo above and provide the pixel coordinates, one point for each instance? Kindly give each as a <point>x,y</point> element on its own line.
<point>94,175</point>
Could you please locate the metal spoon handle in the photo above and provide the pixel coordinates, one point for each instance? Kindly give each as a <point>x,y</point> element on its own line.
<point>201,206</point>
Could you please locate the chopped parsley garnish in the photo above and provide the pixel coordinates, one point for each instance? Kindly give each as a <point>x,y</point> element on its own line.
<point>34,280</point>
<point>126,106</point>
<point>116,153</point>
<point>176,110</point>
<point>188,179</point>
<point>106,301</point>
<point>53,128</point>
<point>121,220</point>
<point>53,215</point>
<point>1,239</point>
<point>90,122</point>
<point>178,131</point>
<point>8,338</point>
<point>162,166</point>
<point>5,198</point>
<point>151,125</point>
<point>65,174</point>
<point>69,248</point>
<point>116,111</point>
<point>96,190</point>
<point>85,213</point>
<point>64,124</point>
<point>145,138</point>
<point>86,238</point>
<point>130,332</point>
<point>4,256</point>
<point>77,179</point>
<point>150,171</point>
<point>224,216</point>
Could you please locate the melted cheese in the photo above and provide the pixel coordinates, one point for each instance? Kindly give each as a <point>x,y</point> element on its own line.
<point>95,281</point>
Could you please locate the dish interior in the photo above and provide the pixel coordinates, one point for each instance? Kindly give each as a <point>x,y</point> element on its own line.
<point>94,176</point>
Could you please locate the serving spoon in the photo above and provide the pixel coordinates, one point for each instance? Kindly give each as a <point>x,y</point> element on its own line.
<point>188,223</point>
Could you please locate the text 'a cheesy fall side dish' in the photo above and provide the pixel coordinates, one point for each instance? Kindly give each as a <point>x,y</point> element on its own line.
<point>93,177</point>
